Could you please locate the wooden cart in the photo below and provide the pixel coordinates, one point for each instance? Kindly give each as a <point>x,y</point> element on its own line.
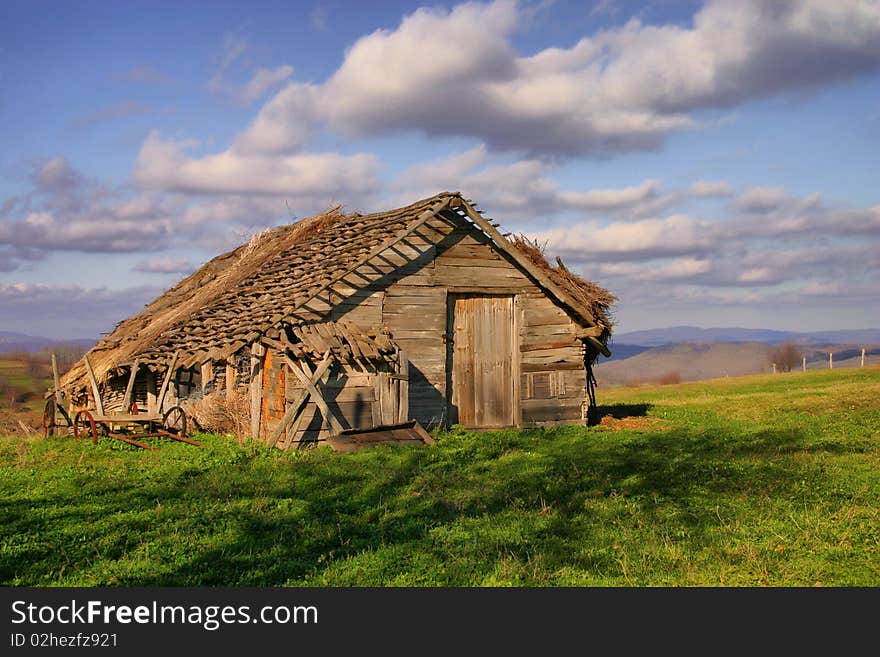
<point>83,423</point>
<point>119,426</point>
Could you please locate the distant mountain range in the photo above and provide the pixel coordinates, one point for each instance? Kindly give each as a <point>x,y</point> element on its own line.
<point>10,341</point>
<point>677,334</point>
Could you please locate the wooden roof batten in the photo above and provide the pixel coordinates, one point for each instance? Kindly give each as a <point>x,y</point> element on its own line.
<point>419,221</point>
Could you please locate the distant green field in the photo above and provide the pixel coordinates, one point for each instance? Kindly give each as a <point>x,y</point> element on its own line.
<point>22,385</point>
<point>768,481</point>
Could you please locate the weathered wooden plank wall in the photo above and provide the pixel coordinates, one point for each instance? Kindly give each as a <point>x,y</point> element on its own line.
<point>409,288</point>
<point>415,310</point>
<point>552,380</point>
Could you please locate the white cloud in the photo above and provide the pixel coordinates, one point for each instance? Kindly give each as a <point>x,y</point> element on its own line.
<point>675,269</point>
<point>165,265</point>
<point>283,124</point>
<point>758,275</point>
<point>162,164</point>
<point>67,211</point>
<point>56,176</point>
<point>647,238</point>
<point>819,289</point>
<point>235,45</point>
<point>263,80</point>
<point>706,189</point>
<point>761,199</point>
<point>610,199</point>
<point>524,189</point>
<point>621,89</point>
<point>105,232</point>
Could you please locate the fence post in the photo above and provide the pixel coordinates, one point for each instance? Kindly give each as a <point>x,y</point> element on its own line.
<point>863,358</point>
<point>805,363</point>
<point>830,360</point>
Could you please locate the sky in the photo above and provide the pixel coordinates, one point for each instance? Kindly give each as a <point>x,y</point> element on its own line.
<point>710,163</point>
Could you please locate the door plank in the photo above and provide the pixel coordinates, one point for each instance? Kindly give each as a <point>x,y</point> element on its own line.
<point>482,360</point>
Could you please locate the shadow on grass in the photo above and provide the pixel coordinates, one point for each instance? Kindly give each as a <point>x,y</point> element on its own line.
<point>620,411</point>
<point>259,522</point>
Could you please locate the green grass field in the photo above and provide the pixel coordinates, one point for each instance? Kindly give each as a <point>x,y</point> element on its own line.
<point>771,480</point>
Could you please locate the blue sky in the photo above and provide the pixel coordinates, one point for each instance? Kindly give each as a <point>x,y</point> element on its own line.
<point>710,163</point>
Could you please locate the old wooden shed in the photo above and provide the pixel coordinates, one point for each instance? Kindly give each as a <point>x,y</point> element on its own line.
<point>346,321</point>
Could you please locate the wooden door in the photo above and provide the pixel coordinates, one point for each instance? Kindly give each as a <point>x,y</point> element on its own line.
<point>482,354</point>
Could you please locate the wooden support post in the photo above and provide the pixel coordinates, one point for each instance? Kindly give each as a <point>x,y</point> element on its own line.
<point>56,380</point>
<point>256,387</point>
<point>151,390</point>
<point>166,382</point>
<point>230,376</point>
<point>402,386</point>
<point>51,404</point>
<point>805,364</point>
<point>129,389</point>
<point>99,405</point>
<point>863,358</point>
<point>207,372</point>
<point>830,360</point>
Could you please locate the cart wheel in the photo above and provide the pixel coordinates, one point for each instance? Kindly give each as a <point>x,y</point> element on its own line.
<point>49,417</point>
<point>84,425</point>
<point>174,421</point>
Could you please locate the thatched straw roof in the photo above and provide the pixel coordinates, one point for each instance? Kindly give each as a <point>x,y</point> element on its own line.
<point>597,299</point>
<point>241,295</point>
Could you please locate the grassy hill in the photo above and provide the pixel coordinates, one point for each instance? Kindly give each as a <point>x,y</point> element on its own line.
<point>694,361</point>
<point>687,362</point>
<point>768,480</point>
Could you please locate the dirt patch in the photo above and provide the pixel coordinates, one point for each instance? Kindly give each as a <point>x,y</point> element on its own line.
<point>24,423</point>
<point>633,423</point>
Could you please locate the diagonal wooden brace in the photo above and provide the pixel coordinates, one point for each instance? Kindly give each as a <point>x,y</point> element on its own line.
<point>304,373</point>
<point>296,407</point>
